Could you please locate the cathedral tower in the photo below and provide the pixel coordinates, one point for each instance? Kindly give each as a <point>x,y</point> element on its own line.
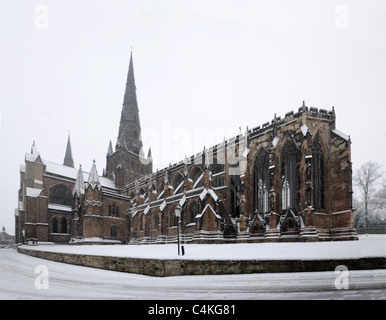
<point>128,162</point>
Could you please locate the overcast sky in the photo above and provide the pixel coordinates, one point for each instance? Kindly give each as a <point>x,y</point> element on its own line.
<point>203,70</point>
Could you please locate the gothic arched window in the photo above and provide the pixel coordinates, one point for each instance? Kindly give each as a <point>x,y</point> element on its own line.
<point>318,176</point>
<point>192,213</point>
<point>113,231</point>
<point>64,225</point>
<point>218,181</point>
<point>155,221</point>
<point>288,177</point>
<point>54,225</point>
<point>261,182</point>
<point>61,194</point>
<point>235,196</point>
<point>140,223</point>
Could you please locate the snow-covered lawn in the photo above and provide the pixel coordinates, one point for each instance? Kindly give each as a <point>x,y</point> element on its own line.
<point>367,246</point>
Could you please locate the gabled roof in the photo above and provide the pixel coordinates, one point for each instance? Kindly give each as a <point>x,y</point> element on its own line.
<point>71,173</point>
<point>209,207</point>
<point>211,192</point>
<point>341,134</point>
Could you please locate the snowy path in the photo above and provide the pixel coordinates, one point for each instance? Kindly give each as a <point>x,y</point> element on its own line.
<point>17,281</point>
<point>367,246</point>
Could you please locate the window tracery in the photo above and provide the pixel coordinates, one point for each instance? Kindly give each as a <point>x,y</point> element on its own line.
<point>261,183</point>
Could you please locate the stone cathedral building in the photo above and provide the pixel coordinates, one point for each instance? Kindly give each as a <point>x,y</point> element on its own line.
<point>289,179</point>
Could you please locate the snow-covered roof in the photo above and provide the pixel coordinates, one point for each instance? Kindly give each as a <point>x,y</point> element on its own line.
<point>178,187</point>
<point>31,157</point>
<point>162,206</point>
<point>203,194</point>
<point>198,180</point>
<point>32,192</point>
<point>160,195</point>
<point>211,192</point>
<point>341,134</point>
<point>304,129</point>
<point>59,207</point>
<point>182,201</point>
<point>211,209</point>
<point>68,172</point>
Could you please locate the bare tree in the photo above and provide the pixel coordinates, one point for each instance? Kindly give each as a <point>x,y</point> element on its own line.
<point>366,178</point>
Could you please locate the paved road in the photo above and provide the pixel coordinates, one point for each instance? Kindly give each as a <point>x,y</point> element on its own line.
<point>18,280</point>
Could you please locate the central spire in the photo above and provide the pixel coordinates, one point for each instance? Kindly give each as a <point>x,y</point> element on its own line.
<point>68,160</point>
<point>130,91</point>
<point>129,135</point>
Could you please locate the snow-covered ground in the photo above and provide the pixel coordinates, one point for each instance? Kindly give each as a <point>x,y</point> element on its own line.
<point>21,275</point>
<point>367,246</point>
<point>21,278</point>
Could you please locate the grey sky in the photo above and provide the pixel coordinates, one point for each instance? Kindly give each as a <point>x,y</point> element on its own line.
<point>203,69</point>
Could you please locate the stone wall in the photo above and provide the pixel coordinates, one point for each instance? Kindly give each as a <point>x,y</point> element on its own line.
<point>165,268</point>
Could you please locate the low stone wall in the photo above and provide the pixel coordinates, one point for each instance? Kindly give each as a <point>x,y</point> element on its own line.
<point>164,268</point>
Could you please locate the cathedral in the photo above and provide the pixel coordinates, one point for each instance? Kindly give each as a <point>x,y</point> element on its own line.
<point>289,179</point>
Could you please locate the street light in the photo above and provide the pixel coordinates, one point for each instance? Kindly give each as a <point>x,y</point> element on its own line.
<point>177,212</point>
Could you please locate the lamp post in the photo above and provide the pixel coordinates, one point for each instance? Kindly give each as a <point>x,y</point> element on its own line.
<point>177,212</point>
